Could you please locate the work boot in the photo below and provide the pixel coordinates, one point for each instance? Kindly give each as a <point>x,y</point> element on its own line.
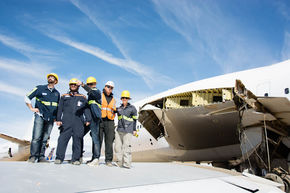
<point>76,163</point>
<point>109,164</point>
<point>32,160</point>
<point>89,161</point>
<point>119,164</point>
<point>95,162</point>
<point>127,167</point>
<point>57,161</point>
<point>42,160</point>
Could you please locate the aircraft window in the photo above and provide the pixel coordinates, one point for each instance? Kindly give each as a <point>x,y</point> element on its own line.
<point>286,90</point>
<point>217,99</point>
<point>266,94</point>
<point>184,102</point>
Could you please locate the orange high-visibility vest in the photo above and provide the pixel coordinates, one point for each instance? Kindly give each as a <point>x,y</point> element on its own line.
<point>108,109</point>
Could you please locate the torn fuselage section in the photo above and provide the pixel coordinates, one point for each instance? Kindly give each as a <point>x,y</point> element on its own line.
<point>271,116</point>
<point>150,117</point>
<point>220,124</point>
<point>193,121</point>
<point>154,115</point>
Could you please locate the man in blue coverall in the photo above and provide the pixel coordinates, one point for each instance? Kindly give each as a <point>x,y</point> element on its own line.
<point>47,98</point>
<point>72,114</point>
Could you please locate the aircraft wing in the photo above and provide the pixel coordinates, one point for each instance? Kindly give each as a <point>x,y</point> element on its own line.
<point>142,177</point>
<point>15,140</point>
<point>23,150</point>
<point>20,156</point>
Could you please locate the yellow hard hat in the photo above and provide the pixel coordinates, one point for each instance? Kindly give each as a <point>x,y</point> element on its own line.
<point>73,81</point>
<point>54,75</point>
<point>91,80</point>
<point>126,94</point>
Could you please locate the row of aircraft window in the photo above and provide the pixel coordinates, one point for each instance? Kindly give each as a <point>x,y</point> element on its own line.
<point>286,91</point>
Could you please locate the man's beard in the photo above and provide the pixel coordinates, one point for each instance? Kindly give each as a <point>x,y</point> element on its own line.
<point>50,81</point>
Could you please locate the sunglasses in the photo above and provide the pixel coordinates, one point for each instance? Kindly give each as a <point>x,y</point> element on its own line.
<point>125,98</point>
<point>90,84</point>
<point>73,84</point>
<point>110,87</point>
<point>50,77</point>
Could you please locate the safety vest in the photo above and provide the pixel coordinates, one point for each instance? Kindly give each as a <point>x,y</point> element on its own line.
<point>94,102</point>
<point>108,109</point>
<point>91,99</point>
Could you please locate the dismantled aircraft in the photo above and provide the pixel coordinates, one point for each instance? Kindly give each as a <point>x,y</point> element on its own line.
<point>238,120</point>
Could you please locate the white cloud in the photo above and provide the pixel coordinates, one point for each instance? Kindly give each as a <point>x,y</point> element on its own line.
<point>134,67</point>
<point>210,32</point>
<point>33,69</point>
<point>10,89</point>
<point>283,9</point>
<point>180,16</point>
<point>84,9</point>
<point>148,75</point>
<point>285,53</point>
<point>23,47</point>
<point>31,72</point>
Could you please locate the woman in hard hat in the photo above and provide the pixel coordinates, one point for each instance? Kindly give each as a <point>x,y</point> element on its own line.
<point>127,117</point>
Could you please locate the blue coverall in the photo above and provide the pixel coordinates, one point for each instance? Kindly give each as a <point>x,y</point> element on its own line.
<point>73,112</point>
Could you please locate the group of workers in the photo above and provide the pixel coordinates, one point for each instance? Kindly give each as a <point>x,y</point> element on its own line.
<point>76,115</point>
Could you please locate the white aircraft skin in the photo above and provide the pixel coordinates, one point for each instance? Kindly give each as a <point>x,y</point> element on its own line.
<point>272,79</point>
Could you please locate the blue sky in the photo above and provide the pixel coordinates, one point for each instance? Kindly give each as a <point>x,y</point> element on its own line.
<point>143,46</point>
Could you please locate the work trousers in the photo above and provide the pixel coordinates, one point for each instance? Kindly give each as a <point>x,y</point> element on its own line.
<point>95,134</point>
<point>40,134</point>
<point>107,130</point>
<point>66,133</point>
<point>123,148</point>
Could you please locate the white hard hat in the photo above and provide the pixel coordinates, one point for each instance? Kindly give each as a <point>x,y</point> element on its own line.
<point>110,83</point>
